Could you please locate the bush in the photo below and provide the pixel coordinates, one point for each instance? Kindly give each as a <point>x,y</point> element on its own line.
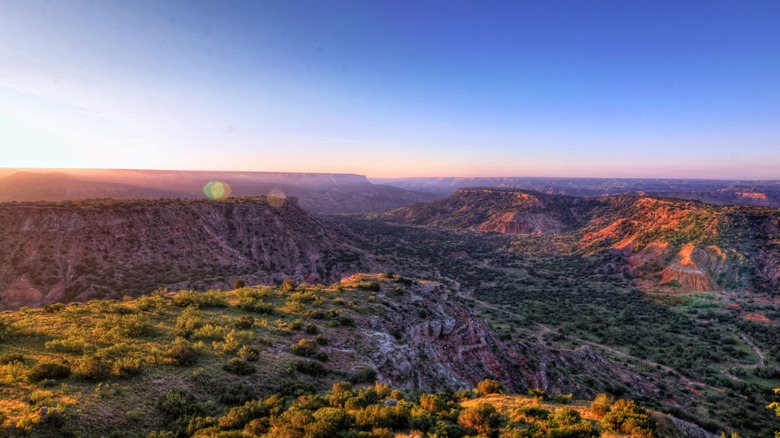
<point>182,352</point>
<point>305,348</point>
<point>212,298</point>
<point>481,418</point>
<point>239,367</point>
<point>236,394</point>
<point>12,357</point>
<point>629,417</point>
<point>346,321</point>
<point>94,368</point>
<point>529,414</point>
<point>539,394</point>
<point>489,386</point>
<point>364,375</point>
<point>238,284</point>
<point>257,306</point>
<point>314,369</point>
<point>177,404</point>
<point>601,405</point>
<point>312,329</point>
<point>563,399</point>
<point>373,286</point>
<point>288,286</point>
<point>48,370</point>
<point>434,402</point>
<point>296,388</point>
<point>249,354</point>
<point>190,319</point>
<point>244,322</point>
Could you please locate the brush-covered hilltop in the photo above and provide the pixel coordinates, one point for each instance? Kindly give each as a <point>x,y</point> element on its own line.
<point>258,361</point>
<point>75,251</point>
<point>668,243</point>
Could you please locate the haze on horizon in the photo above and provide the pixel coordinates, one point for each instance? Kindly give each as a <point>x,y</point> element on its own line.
<point>394,89</point>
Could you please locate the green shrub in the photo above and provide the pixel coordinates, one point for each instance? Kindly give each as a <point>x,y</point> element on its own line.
<point>489,386</point>
<point>296,388</point>
<point>212,298</point>
<point>94,367</point>
<point>529,414</point>
<point>244,322</point>
<point>563,399</point>
<point>312,329</point>
<point>239,367</point>
<point>182,352</point>
<point>238,284</point>
<point>364,375</point>
<point>481,418</point>
<point>257,306</point>
<point>125,367</point>
<point>373,286</point>
<point>190,319</point>
<point>249,354</point>
<point>5,359</point>
<point>288,286</point>
<point>48,370</point>
<point>434,402</point>
<point>601,405</point>
<point>628,417</point>
<point>305,348</point>
<point>311,368</point>
<point>346,321</point>
<point>179,406</point>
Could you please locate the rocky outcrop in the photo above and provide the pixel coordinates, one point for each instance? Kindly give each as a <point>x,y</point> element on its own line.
<point>675,428</point>
<point>108,249</point>
<point>430,339</point>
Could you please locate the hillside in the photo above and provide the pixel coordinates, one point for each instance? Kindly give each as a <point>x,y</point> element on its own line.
<point>317,192</point>
<point>666,242</point>
<point>74,251</point>
<point>135,365</point>
<point>733,192</point>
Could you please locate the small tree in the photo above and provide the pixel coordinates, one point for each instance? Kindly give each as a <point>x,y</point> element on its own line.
<point>489,386</point>
<point>238,284</point>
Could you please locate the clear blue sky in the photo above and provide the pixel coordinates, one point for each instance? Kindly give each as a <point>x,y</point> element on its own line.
<point>394,88</point>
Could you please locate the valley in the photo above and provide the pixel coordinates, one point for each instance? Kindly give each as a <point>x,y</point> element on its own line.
<point>671,303</point>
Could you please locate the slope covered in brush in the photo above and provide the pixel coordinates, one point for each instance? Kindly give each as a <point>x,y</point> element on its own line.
<point>131,366</point>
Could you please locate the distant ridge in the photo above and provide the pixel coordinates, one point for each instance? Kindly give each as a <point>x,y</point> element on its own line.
<point>317,192</point>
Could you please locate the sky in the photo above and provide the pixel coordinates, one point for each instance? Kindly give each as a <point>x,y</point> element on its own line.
<point>656,89</point>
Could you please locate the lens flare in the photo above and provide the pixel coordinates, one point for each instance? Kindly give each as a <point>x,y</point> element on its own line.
<point>276,198</point>
<point>216,190</point>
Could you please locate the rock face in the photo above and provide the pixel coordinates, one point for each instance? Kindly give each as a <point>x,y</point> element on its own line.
<point>430,339</point>
<point>102,249</point>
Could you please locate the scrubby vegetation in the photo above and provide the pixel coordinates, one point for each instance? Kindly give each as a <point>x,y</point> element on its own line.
<point>532,287</point>
<point>217,349</point>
